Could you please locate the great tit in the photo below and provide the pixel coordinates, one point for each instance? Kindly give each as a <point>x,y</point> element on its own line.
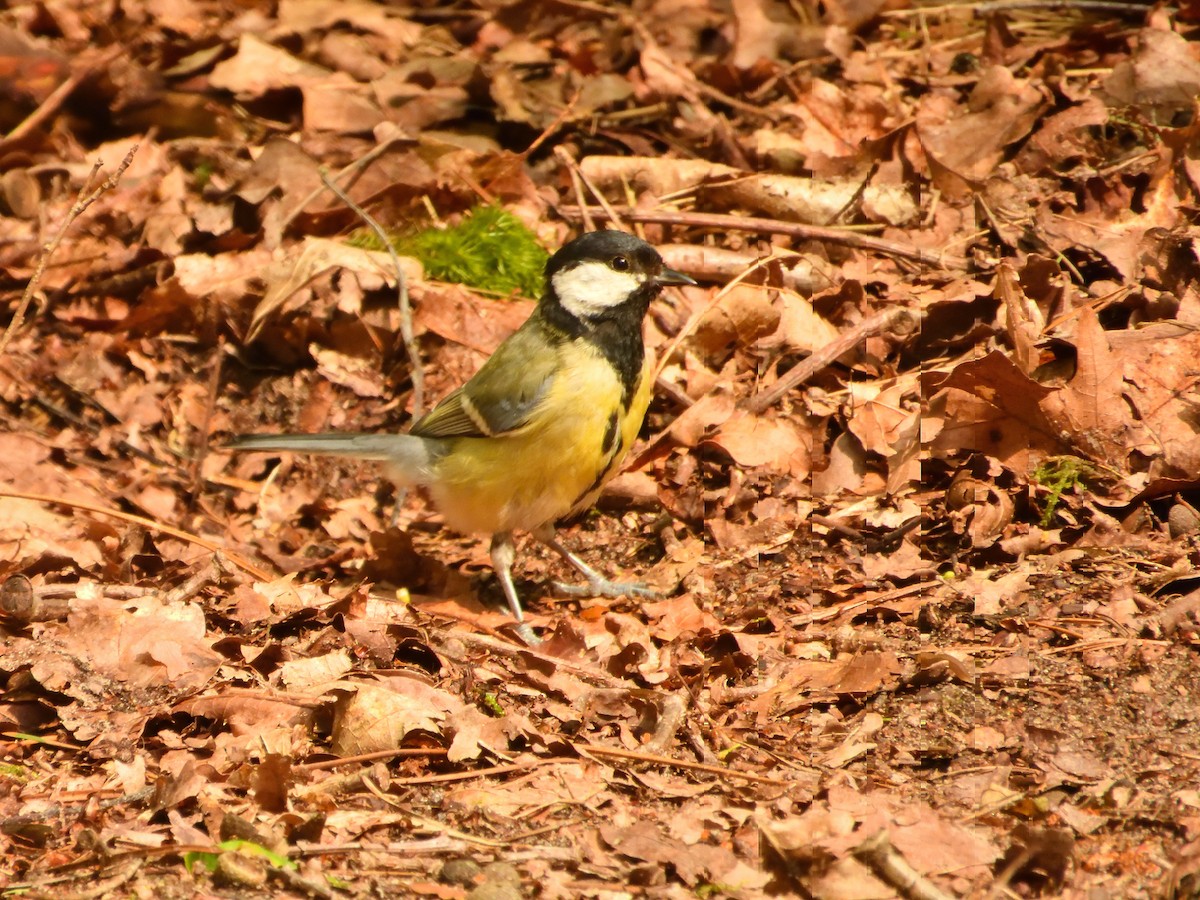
<point>546,421</point>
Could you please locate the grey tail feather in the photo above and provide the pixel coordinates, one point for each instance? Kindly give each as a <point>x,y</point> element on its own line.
<point>407,456</point>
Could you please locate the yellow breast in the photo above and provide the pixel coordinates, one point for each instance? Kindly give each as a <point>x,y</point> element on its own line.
<point>554,465</point>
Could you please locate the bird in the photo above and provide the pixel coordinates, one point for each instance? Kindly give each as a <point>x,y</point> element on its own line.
<point>535,434</point>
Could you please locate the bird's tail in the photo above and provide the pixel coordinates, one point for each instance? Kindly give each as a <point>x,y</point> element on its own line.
<point>408,458</point>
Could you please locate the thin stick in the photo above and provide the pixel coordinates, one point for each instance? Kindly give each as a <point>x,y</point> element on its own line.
<point>432,826</point>
<point>354,168</point>
<point>553,126</point>
<point>503,769</point>
<point>82,201</point>
<point>406,325</point>
<point>84,425</point>
<point>516,650</point>
<point>848,606</point>
<point>197,581</point>
<point>775,226</point>
<point>880,323</point>
<point>210,404</point>
<point>237,559</point>
<point>589,224</point>
<point>984,9</point>
<point>89,861</point>
<point>21,601</point>
<point>406,753</point>
<point>610,212</point>
<point>646,451</point>
<point>633,756</point>
<point>57,98</point>
<point>695,318</point>
<point>890,867</point>
<point>13,823</point>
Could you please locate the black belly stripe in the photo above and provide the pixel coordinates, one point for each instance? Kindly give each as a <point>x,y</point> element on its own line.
<point>610,434</point>
<point>612,450</point>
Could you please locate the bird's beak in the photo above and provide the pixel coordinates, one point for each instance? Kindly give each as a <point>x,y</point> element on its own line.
<point>670,276</point>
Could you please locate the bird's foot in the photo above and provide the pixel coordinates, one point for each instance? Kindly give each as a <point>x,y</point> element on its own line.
<point>599,586</point>
<point>525,633</point>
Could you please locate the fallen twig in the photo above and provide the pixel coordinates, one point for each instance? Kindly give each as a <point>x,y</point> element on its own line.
<point>353,781</point>
<point>359,759</point>
<point>53,103</point>
<point>775,226</point>
<point>354,169</point>
<point>589,224</point>
<point>82,201</point>
<point>880,323</point>
<point>655,759</point>
<point>13,824</point>
<point>498,646</point>
<point>432,826</point>
<point>236,558</point>
<point>609,211</point>
<point>102,884</point>
<point>416,370</point>
<point>694,320</point>
<point>648,449</point>
<point>21,601</point>
<point>890,867</point>
<point>197,581</point>
<point>125,446</point>
<point>853,606</point>
<point>986,9</point>
<point>205,430</point>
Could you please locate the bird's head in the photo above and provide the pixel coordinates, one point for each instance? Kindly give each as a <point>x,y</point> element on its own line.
<point>602,272</point>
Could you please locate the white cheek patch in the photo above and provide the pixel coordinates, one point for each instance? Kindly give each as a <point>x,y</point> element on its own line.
<point>590,288</point>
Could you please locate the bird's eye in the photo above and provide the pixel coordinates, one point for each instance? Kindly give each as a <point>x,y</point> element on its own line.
<point>620,264</point>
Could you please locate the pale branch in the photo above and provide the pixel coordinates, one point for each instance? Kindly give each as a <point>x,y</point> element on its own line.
<point>83,200</point>
<point>755,225</point>
<point>406,324</point>
<point>881,323</point>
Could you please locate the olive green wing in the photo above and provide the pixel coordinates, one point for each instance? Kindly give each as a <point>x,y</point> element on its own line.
<point>504,393</point>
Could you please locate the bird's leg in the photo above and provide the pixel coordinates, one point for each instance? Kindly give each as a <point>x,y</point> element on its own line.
<point>597,585</point>
<point>504,552</point>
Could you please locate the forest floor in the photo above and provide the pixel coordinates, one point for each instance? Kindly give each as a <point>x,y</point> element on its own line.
<point>917,490</point>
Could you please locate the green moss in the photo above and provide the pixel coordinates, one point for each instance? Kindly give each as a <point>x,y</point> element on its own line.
<point>202,174</point>
<point>1059,474</point>
<point>209,859</point>
<point>15,772</point>
<point>491,704</point>
<point>490,249</point>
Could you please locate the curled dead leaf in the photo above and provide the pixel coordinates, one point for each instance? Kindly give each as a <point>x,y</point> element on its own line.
<point>21,193</point>
<point>778,445</point>
<point>983,510</point>
<point>258,67</point>
<point>1183,519</point>
<point>369,717</point>
<point>938,666</point>
<point>744,315</point>
<point>695,422</point>
<point>319,255</point>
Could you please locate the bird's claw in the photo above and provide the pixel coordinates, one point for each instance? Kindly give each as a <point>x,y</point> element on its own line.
<point>525,633</point>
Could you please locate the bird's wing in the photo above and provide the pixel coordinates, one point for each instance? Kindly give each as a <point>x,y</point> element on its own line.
<point>502,396</point>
